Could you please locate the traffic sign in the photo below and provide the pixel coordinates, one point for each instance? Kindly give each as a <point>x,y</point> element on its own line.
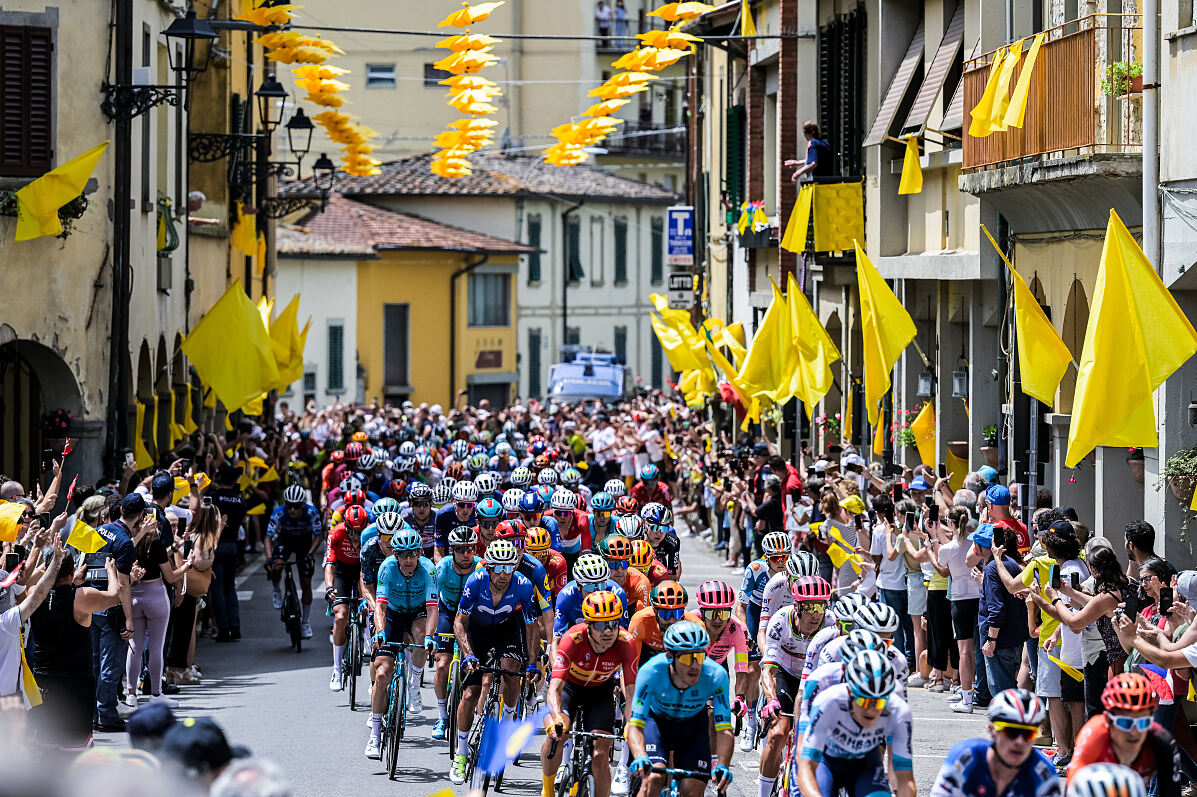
<point>679,236</point>
<point>681,290</point>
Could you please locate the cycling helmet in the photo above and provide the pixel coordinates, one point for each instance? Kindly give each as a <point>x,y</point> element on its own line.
<point>775,543</point>
<point>424,461</point>
<point>354,451</point>
<point>476,462</point>
<point>650,473</point>
<point>337,457</point>
<point>564,499</point>
<point>810,588</point>
<point>407,449</point>
<point>453,473</point>
<point>360,437</point>
<point>656,514</point>
<point>511,531</point>
<point>463,535</point>
<point>626,505</point>
<point>870,675</point>
<point>668,595</point>
<point>490,509</point>
<point>1106,780</point>
<point>460,449</point>
<point>521,477</point>
<point>538,446</point>
<point>630,526</point>
<point>520,445</point>
<point>384,505</point>
<point>355,498</point>
<point>503,450</point>
<point>1016,705</point>
<point>538,540</point>
<point>642,555</point>
<point>486,483</point>
<point>878,618</point>
<point>542,461</point>
<point>395,488</point>
<point>616,547</point>
<point>545,491</point>
<point>441,495</point>
<point>547,476</point>
<point>508,427</point>
<point>1129,691</point>
<point>616,488</point>
<point>357,518</point>
<point>407,539</point>
<point>294,494</point>
<point>503,552</point>
<point>559,465</point>
<point>419,491</point>
<point>571,477</point>
<point>406,465</point>
<point>465,492</point>
<point>601,605</point>
<point>477,448</point>
<point>716,595</point>
<point>686,636</point>
<point>368,461</point>
<point>602,502</point>
<point>511,499</point>
<point>844,609</point>
<point>530,502</point>
<point>802,563</point>
<point>388,523</point>
<point>858,640</point>
<point>351,482</point>
<point>591,569</point>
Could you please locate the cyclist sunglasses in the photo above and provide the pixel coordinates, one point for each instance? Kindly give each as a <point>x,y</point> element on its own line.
<point>618,564</point>
<point>686,659</point>
<point>604,625</point>
<point>407,554</point>
<point>488,524</point>
<point>1130,723</point>
<point>420,503</point>
<point>812,608</point>
<point>501,569</point>
<point>563,512</point>
<point>1014,730</point>
<point>670,614</point>
<point>590,587</point>
<point>463,549</point>
<point>871,702</point>
<point>386,538</point>
<point>464,504</point>
<point>778,560</point>
<point>716,614</point>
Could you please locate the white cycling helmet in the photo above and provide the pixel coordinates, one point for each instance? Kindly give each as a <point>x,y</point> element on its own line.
<point>616,488</point>
<point>407,449</point>
<point>1106,780</point>
<point>351,482</point>
<point>503,552</point>
<point>511,499</point>
<point>776,543</point>
<point>844,610</point>
<point>802,563</point>
<point>870,675</point>
<point>547,476</point>
<point>295,495</point>
<point>465,492</point>
<point>389,522</point>
<point>441,495</point>
<point>879,618</point>
<point>630,526</point>
<point>857,640</point>
<point>486,483</point>
<point>368,461</point>
<point>521,477</point>
<point>1017,706</point>
<point>591,569</point>
<point>563,499</point>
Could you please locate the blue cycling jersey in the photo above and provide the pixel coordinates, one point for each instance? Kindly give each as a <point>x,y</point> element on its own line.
<point>308,524</point>
<point>517,602</point>
<point>403,594</point>
<point>965,772</point>
<point>427,529</point>
<point>549,524</point>
<point>372,558</point>
<point>656,694</point>
<point>447,520</point>
<point>449,583</point>
<point>752,593</point>
<point>569,605</point>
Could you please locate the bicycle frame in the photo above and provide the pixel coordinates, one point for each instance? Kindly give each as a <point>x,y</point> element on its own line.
<point>394,721</point>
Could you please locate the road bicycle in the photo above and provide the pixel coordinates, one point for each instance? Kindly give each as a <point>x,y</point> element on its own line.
<point>454,694</point>
<point>576,778</point>
<point>782,782</point>
<point>674,787</point>
<point>394,721</point>
<point>351,665</point>
<point>492,707</point>
<point>291,612</point>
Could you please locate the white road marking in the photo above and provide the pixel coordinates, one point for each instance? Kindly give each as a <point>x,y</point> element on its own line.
<point>250,569</point>
<point>245,595</point>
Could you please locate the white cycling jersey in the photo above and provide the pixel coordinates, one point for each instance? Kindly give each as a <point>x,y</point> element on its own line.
<point>776,596</point>
<point>835,734</point>
<point>832,654</point>
<point>824,676</point>
<point>821,640</point>
<point>783,647</point>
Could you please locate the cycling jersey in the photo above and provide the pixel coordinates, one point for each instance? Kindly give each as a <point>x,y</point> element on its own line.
<point>427,529</point>
<point>815,648</point>
<point>597,536</point>
<point>785,649</point>
<point>308,524</point>
<point>775,596</point>
<point>534,571</point>
<point>637,587</point>
<point>447,520</point>
<point>657,573</point>
<point>342,547</point>
<point>369,533</point>
<point>965,773</point>
<point>400,593</point>
<point>549,524</point>
<point>833,653</point>
<point>660,494</point>
<point>577,663</point>
<point>824,676</point>
<point>450,584</point>
<point>657,695</point>
<point>835,734</point>
<point>372,558</point>
<point>577,539</point>
<point>647,633</point>
<point>569,605</point>
<point>669,553</point>
<point>1159,757</point>
<point>557,570</point>
<point>479,605</point>
<point>734,637</point>
<point>756,576</point>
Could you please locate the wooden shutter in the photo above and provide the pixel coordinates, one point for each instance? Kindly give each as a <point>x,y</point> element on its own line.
<point>534,363</point>
<point>946,57</point>
<point>621,250</point>
<point>897,90</point>
<point>658,249</point>
<point>26,67</point>
<point>534,257</point>
<point>734,156</point>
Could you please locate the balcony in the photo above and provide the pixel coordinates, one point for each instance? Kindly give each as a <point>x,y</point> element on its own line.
<point>623,35</point>
<point>647,139</point>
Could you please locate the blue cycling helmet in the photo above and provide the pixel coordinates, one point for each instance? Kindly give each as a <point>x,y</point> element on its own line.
<point>656,514</point>
<point>490,509</point>
<point>384,505</point>
<point>545,492</point>
<point>686,636</point>
<point>602,502</point>
<point>650,473</point>
<point>530,502</point>
<point>478,449</point>
<point>407,539</point>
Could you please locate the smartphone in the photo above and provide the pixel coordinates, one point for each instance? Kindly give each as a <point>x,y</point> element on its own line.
<point>898,494</point>
<point>186,464</point>
<point>859,522</point>
<point>1130,600</point>
<point>933,513</point>
<point>1075,578</point>
<point>910,521</point>
<point>43,520</point>
<point>12,561</point>
<point>942,470</point>
<point>129,458</point>
<point>1054,576</point>
<point>48,455</point>
<point>1165,600</point>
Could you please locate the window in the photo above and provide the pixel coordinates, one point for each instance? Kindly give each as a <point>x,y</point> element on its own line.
<point>597,258</point>
<point>534,363</point>
<point>380,76</point>
<point>657,363</point>
<point>621,251</point>
<point>26,67</point>
<point>534,257</point>
<point>490,300</point>
<point>621,344</point>
<point>309,382</point>
<point>395,348</point>
<point>336,356</point>
<point>432,75</point>
<point>658,247</point>
<point>573,336</point>
<point>573,248</point>
<point>1184,14</point>
<point>147,198</point>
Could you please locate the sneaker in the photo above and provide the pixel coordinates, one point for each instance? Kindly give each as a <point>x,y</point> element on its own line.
<point>130,701</point>
<point>915,681</point>
<point>457,772</point>
<point>372,749</point>
<point>749,734</point>
<point>168,702</point>
<point>620,781</point>
<point>415,703</point>
<point>170,689</point>
<point>1061,760</point>
<point>306,630</point>
<point>440,729</point>
<point>955,697</point>
<point>369,722</point>
<point>936,687</point>
<point>277,599</point>
<point>963,707</point>
<point>334,683</point>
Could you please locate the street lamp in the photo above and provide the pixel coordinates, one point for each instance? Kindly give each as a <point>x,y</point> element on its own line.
<point>299,134</point>
<point>271,97</point>
<point>325,172</point>
<point>194,33</point>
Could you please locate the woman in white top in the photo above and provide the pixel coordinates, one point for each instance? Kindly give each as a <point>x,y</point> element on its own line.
<point>964,593</point>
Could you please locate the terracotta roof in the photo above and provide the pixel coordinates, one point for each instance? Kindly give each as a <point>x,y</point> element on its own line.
<point>358,227</point>
<point>295,241</point>
<point>494,174</point>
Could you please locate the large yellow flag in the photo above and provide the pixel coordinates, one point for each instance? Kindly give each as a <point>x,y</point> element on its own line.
<point>10,521</point>
<point>814,351</point>
<point>231,351</point>
<point>245,232</point>
<point>747,26</point>
<point>84,538</point>
<point>189,424</point>
<point>1017,110</point>
<point>794,239</point>
<point>38,202</point>
<point>886,327</point>
<point>912,169</point>
<point>983,112</point>
<point>1001,100</point>
<point>1136,338</point>
<point>1042,356</point>
<point>879,435</point>
<point>766,368</point>
<point>141,457</point>
<point>923,427</point>
<point>283,335</point>
<point>679,355</point>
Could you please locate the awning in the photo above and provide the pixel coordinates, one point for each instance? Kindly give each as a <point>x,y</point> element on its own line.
<point>897,90</point>
<point>953,115</point>
<point>945,58</point>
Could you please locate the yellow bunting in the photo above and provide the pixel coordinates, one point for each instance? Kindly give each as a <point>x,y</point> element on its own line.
<point>468,15</point>
<point>923,427</point>
<point>794,239</point>
<point>673,12</point>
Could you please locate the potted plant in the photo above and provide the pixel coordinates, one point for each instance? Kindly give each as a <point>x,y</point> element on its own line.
<point>55,424</point>
<point>902,434</point>
<point>828,428</point>
<point>989,450</point>
<point>1122,77</point>
<point>1134,461</point>
<point>1180,471</point>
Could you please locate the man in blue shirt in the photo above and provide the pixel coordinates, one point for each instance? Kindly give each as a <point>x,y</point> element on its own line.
<point>818,155</point>
<point>1001,616</point>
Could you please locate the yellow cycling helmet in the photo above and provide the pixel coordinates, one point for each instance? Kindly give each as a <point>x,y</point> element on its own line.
<point>642,555</point>
<point>361,437</point>
<point>538,540</point>
<point>601,605</point>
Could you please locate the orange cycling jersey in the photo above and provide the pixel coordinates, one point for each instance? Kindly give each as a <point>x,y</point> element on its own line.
<point>577,663</point>
<point>646,633</point>
<point>636,587</point>
<point>1159,757</point>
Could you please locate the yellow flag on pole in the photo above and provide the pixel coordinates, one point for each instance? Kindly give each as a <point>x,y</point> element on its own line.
<point>923,427</point>
<point>766,368</point>
<point>141,457</point>
<point>886,327</point>
<point>981,114</point>
<point>814,351</point>
<point>840,551</point>
<point>879,435</point>
<point>189,425</point>
<point>794,239</point>
<point>283,336</point>
<point>1042,356</point>
<point>1136,338</point>
<point>84,538</point>
<point>1001,100</point>
<point>747,26</point>
<point>1017,110</point>
<point>10,520</point>
<point>38,203</point>
<point>912,169</point>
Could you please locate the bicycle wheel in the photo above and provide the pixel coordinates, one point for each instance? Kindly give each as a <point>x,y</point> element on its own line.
<point>398,709</point>
<point>349,670</point>
<point>454,699</point>
<point>496,712</point>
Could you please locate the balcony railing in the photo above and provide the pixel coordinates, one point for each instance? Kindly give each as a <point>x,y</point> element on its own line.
<point>623,34</point>
<point>632,138</point>
<point>1067,111</point>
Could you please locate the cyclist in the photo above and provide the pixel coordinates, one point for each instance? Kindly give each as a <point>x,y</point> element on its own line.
<point>882,620</point>
<point>442,494</point>
<point>511,502</point>
<point>573,525</point>
<point>342,576</point>
<point>521,479</point>
<point>498,616</point>
<point>615,488</point>
<point>786,638</point>
<point>488,487</point>
<point>460,513</point>
<point>591,574</point>
<point>644,560</point>
<point>406,611</point>
<point>832,673</point>
<point>850,725</point>
<point>1124,733</point>
<point>648,626</point>
<point>586,663</point>
<point>658,530</point>
<point>601,524</point>
<point>650,489</point>
<point>1006,763</point>
<point>843,614</point>
<point>419,516</point>
<point>1107,780</point>
<point>715,600</point>
<point>617,550</point>
<point>490,514</point>
<point>295,529</point>
<point>383,506</point>
<point>670,717</point>
<point>531,569</point>
<point>451,574</point>
<point>531,505</point>
<point>776,546</point>
<point>777,589</point>
<point>571,479</point>
<point>375,550</point>
<point>540,546</point>
<point>626,505</point>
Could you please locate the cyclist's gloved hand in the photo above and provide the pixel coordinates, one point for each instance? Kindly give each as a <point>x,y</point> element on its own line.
<point>430,643</point>
<point>739,706</point>
<point>769,709</point>
<point>470,662</point>
<point>721,776</point>
<point>330,594</point>
<point>642,763</point>
<point>380,637</point>
<point>533,673</point>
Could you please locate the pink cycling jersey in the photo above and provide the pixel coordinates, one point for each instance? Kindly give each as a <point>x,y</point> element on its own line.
<point>734,635</point>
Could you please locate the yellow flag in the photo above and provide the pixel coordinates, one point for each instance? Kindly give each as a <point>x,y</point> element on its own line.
<point>886,327</point>
<point>912,169</point>
<point>188,420</point>
<point>766,368</point>
<point>202,480</point>
<point>747,26</point>
<point>141,457</point>
<point>1001,100</point>
<point>10,520</point>
<point>271,475</point>
<point>814,350</point>
<point>175,430</point>
<point>245,232</point>
<point>283,335</point>
<point>1073,672</point>
<point>1136,338</point>
<point>254,405</point>
<point>209,397</point>
<point>671,342</point>
<point>38,203</point>
<point>84,538</point>
<point>794,239</point>
<point>154,427</point>
<point>923,427</point>
<point>840,551</point>
<point>957,469</point>
<point>839,215</point>
<point>33,693</point>
<point>260,509</point>
<point>981,114</point>
<point>1016,112</point>
<point>1042,356</point>
<point>231,351</point>
<point>161,242</point>
<point>879,435</point>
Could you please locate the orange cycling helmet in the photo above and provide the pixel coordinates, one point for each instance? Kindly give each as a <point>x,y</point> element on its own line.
<point>357,518</point>
<point>601,605</point>
<point>337,457</point>
<point>627,505</point>
<point>355,498</point>
<point>538,540</point>
<point>1129,691</point>
<point>642,555</point>
<point>668,595</point>
<point>509,531</point>
<point>360,437</point>
<point>616,547</point>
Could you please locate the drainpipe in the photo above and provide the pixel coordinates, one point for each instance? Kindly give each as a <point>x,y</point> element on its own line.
<point>453,324</point>
<point>1151,132</point>
<point>565,271</point>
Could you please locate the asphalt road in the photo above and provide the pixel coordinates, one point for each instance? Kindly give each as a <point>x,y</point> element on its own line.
<point>277,703</point>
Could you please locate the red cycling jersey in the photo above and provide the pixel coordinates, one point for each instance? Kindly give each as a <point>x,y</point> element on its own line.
<point>660,495</point>
<point>343,547</point>
<point>578,664</point>
<point>557,569</point>
<point>1159,757</point>
<point>657,573</point>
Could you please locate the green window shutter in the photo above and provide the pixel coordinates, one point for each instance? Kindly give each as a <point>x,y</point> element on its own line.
<point>621,344</point>
<point>534,240</point>
<point>621,251</point>
<point>658,247</point>
<point>574,249</point>
<point>336,357</point>
<point>534,363</point>
<point>735,155</point>
<point>658,360</point>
